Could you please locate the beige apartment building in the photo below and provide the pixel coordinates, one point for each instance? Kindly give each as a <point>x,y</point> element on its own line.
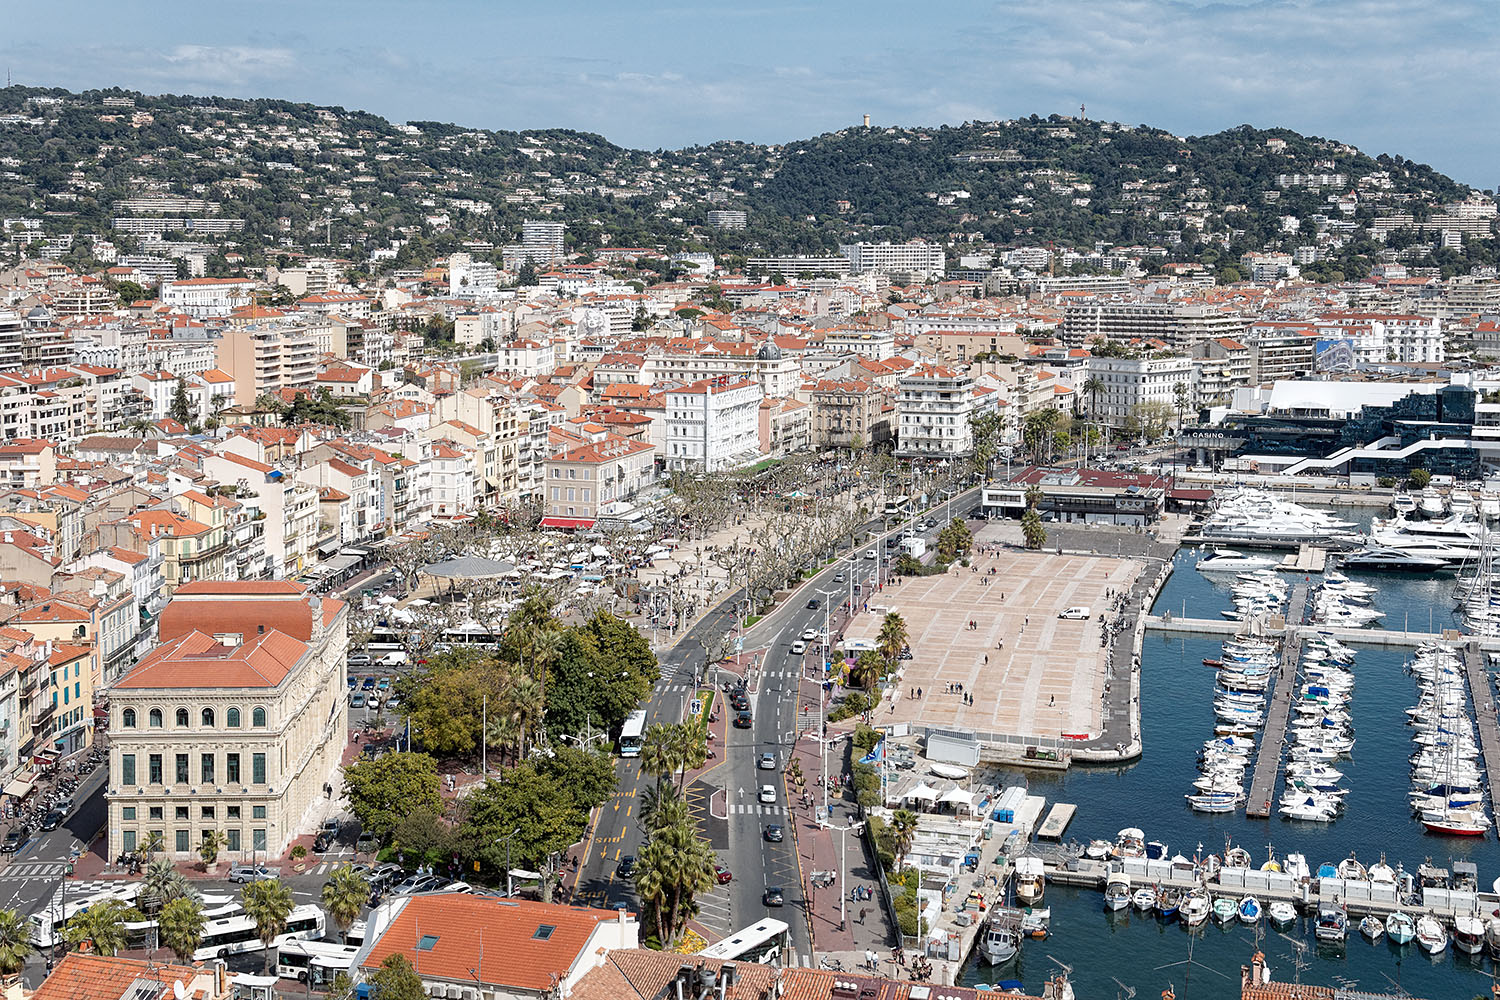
<point>581,480</point>
<point>263,359</point>
<point>846,413</point>
<point>234,723</point>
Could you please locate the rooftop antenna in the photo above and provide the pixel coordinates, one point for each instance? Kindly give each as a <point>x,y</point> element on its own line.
<point>1189,963</point>
<point>1083,112</point>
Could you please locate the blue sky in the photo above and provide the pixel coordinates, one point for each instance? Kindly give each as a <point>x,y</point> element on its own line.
<point>1417,78</point>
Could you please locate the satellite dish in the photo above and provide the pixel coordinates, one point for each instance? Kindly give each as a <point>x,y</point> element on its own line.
<point>178,990</point>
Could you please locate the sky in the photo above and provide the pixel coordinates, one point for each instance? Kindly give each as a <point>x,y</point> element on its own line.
<point>1416,78</point>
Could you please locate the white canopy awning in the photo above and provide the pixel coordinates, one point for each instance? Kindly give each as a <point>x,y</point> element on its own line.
<point>958,795</point>
<point>924,791</point>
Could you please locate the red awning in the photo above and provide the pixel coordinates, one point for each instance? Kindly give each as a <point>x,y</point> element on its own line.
<point>568,523</point>
<point>1191,495</point>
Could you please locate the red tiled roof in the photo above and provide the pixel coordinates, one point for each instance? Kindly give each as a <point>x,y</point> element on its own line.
<point>96,977</point>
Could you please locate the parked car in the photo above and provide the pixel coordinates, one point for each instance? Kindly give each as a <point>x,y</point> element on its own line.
<point>417,883</point>
<point>367,842</point>
<point>353,683</point>
<point>367,683</point>
<point>14,838</point>
<point>359,659</point>
<point>767,761</point>
<point>52,820</point>
<point>1075,614</point>
<point>357,700</point>
<point>252,873</point>
<point>773,896</point>
<point>383,873</point>
<point>383,684</point>
<point>723,874</point>
<point>768,793</point>
<point>809,634</point>
<point>774,833</point>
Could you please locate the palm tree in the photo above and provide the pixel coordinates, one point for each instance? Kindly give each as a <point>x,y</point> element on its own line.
<point>904,826</point>
<point>866,670</point>
<point>181,927</point>
<point>659,752</point>
<point>654,799</point>
<point>653,883</point>
<point>690,750</point>
<point>344,896</point>
<point>268,903</point>
<point>213,843</point>
<point>521,703</point>
<point>892,639</point>
<point>15,943</point>
<point>161,884</point>
<point>103,926</point>
<point>153,843</point>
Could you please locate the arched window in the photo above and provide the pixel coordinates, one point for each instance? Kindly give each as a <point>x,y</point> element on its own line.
<point>208,717</point>
<point>232,718</point>
<point>258,717</point>
<point>155,718</point>
<point>127,718</point>
<point>182,717</point>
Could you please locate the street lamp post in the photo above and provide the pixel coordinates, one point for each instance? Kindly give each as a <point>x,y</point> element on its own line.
<point>510,889</point>
<point>844,832</point>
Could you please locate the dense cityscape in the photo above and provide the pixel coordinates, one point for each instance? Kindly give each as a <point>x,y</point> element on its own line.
<point>740,569</point>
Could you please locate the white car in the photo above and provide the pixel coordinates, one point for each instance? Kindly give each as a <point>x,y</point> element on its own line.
<point>810,634</point>
<point>768,793</point>
<point>799,647</point>
<point>869,553</point>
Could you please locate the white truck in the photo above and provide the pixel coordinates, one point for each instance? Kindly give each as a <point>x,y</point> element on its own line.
<point>914,547</point>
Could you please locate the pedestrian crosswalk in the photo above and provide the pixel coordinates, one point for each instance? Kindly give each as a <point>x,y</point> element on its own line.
<point>756,809</point>
<point>39,869</point>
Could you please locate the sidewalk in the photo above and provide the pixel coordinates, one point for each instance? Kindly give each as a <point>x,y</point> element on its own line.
<point>864,925</point>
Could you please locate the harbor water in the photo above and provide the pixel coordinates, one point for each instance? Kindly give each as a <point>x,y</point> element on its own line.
<point>1177,717</point>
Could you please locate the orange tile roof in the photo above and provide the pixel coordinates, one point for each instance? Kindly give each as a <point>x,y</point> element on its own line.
<point>258,661</point>
<point>96,977</point>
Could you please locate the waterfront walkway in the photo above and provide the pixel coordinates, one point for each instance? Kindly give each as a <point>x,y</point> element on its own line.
<point>1273,737</point>
<point>1481,696</point>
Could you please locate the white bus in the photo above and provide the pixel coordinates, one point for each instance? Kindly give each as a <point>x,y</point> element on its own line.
<point>897,505</point>
<point>231,935</point>
<point>46,926</point>
<point>763,942</point>
<point>632,733</point>
<point>314,962</point>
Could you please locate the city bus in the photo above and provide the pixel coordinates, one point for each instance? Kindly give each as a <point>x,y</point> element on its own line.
<point>47,925</point>
<point>231,935</point>
<point>896,506</point>
<point>632,732</point>
<point>314,962</point>
<point>763,942</point>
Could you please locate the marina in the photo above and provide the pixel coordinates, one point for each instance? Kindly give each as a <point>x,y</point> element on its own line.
<point>1273,738</point>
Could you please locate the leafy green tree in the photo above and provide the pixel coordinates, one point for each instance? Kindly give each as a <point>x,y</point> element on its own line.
<point>396,980</point>
<point>103,926</point>
<point>1418,479</point>
<point>954,540</point>
<point>445,702</point>
<point>181,927</point>
<point>384,790</point>
<point>422,833</point>
<point>344,897</point>
<point>526,277</point>
<point>208,850</point>
<point>130,291</point>
<point>181,409</point>
<point>268,903</point>
<point>15,942</point>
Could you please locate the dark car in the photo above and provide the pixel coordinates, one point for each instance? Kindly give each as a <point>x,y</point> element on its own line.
<point>322,843</point>
<point>52,820</point>
<point>740,702</point>
<point>14,839</point>
<point>723,874</point>
<point>626,867</point>
<point>773,896</point>
<point>814,604</point>
<point>774,833</point>
<point>368,683</point>
<point>742,720</point>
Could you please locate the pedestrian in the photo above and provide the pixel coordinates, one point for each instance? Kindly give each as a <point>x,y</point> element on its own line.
<point>1052,700</point>
<point>919,694</point>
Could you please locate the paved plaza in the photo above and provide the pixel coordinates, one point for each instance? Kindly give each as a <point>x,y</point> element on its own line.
<point>1027,672</point>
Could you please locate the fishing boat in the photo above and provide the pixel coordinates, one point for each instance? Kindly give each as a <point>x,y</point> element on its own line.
<point>1168,903</point>
<point>1035,922</point>
<point>1468,933</point>
<point>1371,927</point>
<point>1225,910</point>
<point>1196,906</point>
<point>1117,891</point>
<point>1431,937</point>
<point>1031,881</point>
<point>1492,937</point>
<point>1001,939</point>
<point>1400,927</point>
<point>1249,910</point>
<point>1098,850</point>
<point>1351,869</point>
<point>1144,899</point>
<point>1282,913</point>
<point>1333,922</point>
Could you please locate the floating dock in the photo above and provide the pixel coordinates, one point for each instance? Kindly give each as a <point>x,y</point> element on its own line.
<point>1273,736</point>
<point>1058,818</point>
<point>1309,559</point>
<point>1481,698</point>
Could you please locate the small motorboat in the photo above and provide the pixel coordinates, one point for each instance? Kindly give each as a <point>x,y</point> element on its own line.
<point>1333,923</point>
<point>1117,891</point>
<point>1249,910</point>
<point>1400,927</point>
<point>1196,907</point>
<point>1212,663</point>
<point>1098,850</point>
<point>1169,901</point>
<point>1282,913</point>
<point>1225,910</point>
<point>1034,922</point>
<point>1431,936</point>
<point>1371,927</point>
<point>1492,937</point>
<point>1468,933</point>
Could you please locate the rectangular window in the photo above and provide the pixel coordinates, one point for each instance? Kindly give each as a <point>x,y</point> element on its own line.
<point>184,841</point>
<point>206,768</point>
<point>182,769</point>
<point>127,812</point>
<point>257,812</point>
<point>127,768</point>
<point>232,765</point>
<point>179,812</point>
<point>154,767</point>
<point>233,839</point>
<point>128,841</point>
<point>258,769</point>
<point>153,812</point>
<point>258,840</point>
<point>208,812</point>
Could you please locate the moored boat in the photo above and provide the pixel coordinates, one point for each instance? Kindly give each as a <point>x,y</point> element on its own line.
<point>1431,937</point>
<point>1371,927</point>
<point>1468,933</point>
<point>1333,922</point>
<point>1031,881</point>
<point>1117,891</point>
<point>1225,909</point>
<point>1282,913</point>
<point>1249,910</point>
<point>1001,939</point>
<point>1400,927</point>
<point>1196,906</point>
<point>1144,899</point>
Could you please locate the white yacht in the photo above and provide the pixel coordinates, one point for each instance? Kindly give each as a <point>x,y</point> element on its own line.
<point>1430,503</point>
<point>1403,504</point>
<point>1385,557</point>
<point>1231,561</point>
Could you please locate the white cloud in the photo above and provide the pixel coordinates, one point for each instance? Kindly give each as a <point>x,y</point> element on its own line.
<point>231,65</point>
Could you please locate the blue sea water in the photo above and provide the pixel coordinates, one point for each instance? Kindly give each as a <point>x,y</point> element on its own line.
<point>1177,716</point>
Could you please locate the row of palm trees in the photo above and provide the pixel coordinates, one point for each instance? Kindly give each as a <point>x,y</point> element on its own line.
<point>675,864</point>
<point>168,898</point>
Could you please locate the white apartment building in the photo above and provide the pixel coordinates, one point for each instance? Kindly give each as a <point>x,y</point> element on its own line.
<point>877,345</point>
<point>471,279</point>
<point>542,242</point>
<point>926,260</point>
<point>1177,324</point>
<point>712,424</point>
<point>203,298</point>
<point>1126,383</point>
<point>1378,338</point>
<point>933,405</point>
<point>727,218</point>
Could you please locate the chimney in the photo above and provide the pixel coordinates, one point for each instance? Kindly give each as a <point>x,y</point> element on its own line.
<point>867,121</point>
<point>726,976</point>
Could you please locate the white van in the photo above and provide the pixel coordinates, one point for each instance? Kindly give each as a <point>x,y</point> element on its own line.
<point>397,659</point>
<point>1075,614</point>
